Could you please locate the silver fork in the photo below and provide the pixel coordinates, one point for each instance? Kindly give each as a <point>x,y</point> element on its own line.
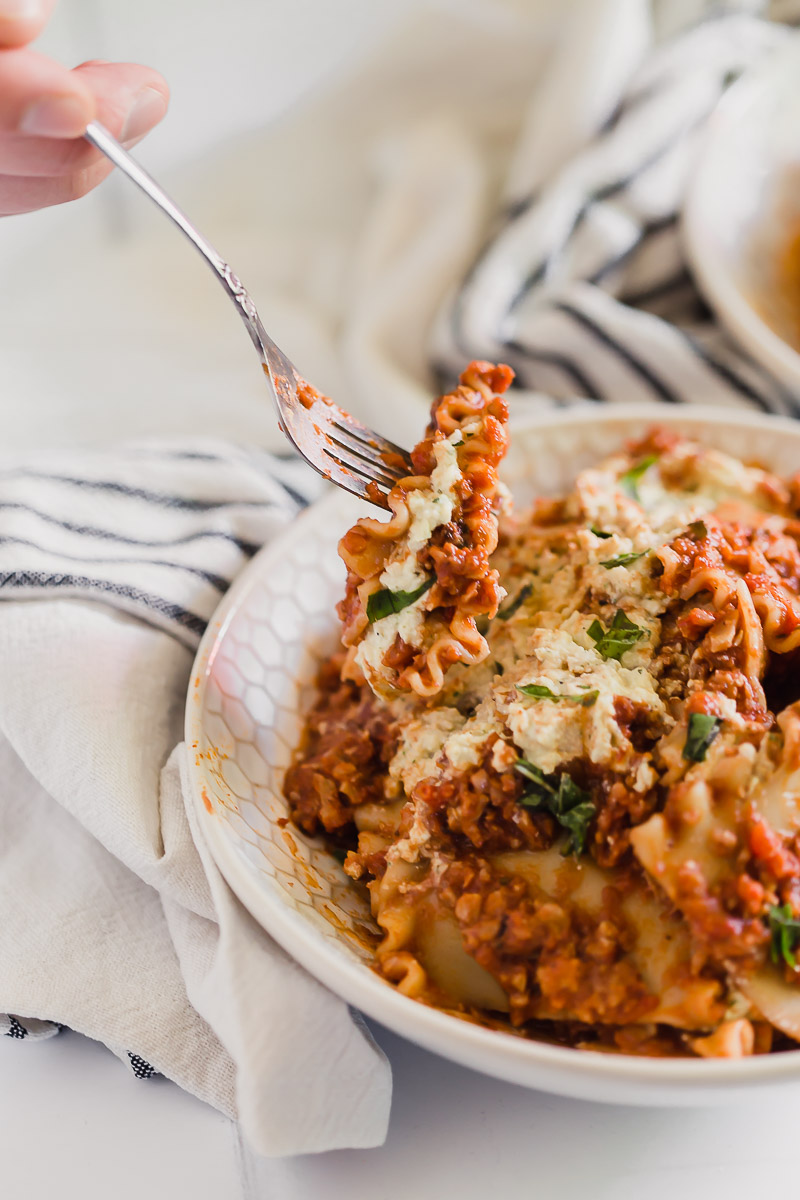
<point>329,439</point>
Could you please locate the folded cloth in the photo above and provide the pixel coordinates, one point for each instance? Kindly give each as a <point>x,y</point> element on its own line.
<point>583,285</point>
<point>115,921</point>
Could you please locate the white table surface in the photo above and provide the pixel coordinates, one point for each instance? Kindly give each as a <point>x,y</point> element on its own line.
<point>76,1125</point>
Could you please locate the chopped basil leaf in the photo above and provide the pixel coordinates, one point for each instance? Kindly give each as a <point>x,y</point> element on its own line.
<point>384,603</point>
<point>784,928</point>
<point>698,529</point>
<point>619,637</point>
<point>461,443</point>
<point>703,728</point>
<point>540,692</point>
<point>599,532</point>
<point>576,821</point>
<point>517,602</point>
<point>537,689</point>
<point>563,799</point>
<point>622,560</point>
<point>629,482</point>
<point>535,775</point>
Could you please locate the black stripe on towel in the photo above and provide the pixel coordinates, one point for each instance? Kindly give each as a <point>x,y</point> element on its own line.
<point>103,587</point>
<point>165,500</point>
<point>656,291</point>
<point>628,357</point>
<point>551,358</point>
<point>731,377</point>
<point>600,194</point>
<point>217,581</point>
<point>247,548</point>
<point>649,230</point>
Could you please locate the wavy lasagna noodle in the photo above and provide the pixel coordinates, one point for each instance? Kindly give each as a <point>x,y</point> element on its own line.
<point>571,779</point>
<point>418,585</point>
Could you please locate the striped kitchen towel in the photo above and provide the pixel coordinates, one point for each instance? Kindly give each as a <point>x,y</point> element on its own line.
<point>582,285</point>
<point>114,920</point>
<point>158,530</point>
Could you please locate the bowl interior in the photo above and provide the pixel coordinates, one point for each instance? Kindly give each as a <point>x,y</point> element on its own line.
<point>254,680</point>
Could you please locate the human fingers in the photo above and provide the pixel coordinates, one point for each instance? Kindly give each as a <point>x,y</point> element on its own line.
<point>19,194</point>
<point>41,98</point>
<point>23,20</point>
<point>128,99</point>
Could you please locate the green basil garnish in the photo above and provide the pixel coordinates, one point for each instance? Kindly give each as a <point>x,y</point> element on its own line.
<point>702,730</point>
<point>540,692</point>
<point>622,560</point>
<point>784,928</point>
<point>599,532</point>
<point>519,599</point>
<point>383,603</point>
<point>563,799</point>
<point>619,637</point>
<point>629,482</point>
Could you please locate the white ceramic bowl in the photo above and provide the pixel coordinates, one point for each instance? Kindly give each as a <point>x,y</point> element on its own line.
<point>750,147</point>
<point>252,683</point>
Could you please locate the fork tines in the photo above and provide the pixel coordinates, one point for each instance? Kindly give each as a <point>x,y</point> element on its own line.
<point>374,461</point>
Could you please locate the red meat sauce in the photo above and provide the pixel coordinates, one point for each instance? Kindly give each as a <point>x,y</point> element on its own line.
<point>347,744</point>
<point>727,920</point>
<point>350,739</point>
<point>458,552</point>
<point>545,953</point>
<point>731,550</point>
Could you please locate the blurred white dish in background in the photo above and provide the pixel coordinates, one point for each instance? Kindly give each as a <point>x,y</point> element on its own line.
<point>742,213</point>
<point>251,686</point>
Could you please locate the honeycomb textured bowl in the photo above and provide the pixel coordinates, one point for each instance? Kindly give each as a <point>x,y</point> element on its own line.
<point>252,683</point>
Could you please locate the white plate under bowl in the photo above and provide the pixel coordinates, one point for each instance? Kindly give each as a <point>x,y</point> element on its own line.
<point>740,198</point>
<point>251,685</point>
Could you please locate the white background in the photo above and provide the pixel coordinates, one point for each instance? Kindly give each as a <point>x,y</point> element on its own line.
<point>73,1123</point>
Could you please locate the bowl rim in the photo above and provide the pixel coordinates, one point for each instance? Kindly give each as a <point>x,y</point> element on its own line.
<point>709,264</point>
<point>503,1055</point>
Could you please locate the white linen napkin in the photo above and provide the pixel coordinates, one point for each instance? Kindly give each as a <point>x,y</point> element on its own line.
<point>115,921</point>
<point>583,286</point>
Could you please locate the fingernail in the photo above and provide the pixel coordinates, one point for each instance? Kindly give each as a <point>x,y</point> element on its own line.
<point>146,111</point>
<point>20,10</point>
<point>56,116</point>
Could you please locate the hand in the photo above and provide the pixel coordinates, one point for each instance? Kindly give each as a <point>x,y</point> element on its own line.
<point>44,109</point>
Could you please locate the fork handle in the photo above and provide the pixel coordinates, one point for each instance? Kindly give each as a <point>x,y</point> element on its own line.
<point>99,136</point>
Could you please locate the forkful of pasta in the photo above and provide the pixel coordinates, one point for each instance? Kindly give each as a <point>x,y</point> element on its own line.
<point>330,440</point>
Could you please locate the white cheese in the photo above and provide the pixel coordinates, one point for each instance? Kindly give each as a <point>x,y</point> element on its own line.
<point>421,740</point>
<point>662,511</point>
<point>433,506</point>
<point>381,635</point>
<point>550,732</point>
<point>408,848</point>
<point>465,748</point>
<point>403,575</point>
<point>547,735</point>
<point>718,476</point>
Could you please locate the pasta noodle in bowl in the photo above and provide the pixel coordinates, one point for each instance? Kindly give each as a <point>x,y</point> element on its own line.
<point>248,831</point>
